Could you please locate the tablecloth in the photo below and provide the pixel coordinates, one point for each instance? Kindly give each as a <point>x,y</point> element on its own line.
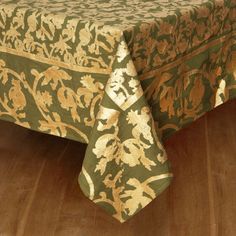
<point>119,75</point>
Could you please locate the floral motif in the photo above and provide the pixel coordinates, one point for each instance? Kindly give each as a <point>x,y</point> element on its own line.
<point>120,82</point>
<point>14,102</point>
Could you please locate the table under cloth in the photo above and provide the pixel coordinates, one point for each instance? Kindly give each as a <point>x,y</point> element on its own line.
<point>119,75</point>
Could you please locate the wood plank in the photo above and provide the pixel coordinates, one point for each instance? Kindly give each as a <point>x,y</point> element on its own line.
<point>39,193</point>
<point>222,151</point>
<point>188,199</point>
<point>45,205</point>
<point>77,212</point>
<point>18,179</point>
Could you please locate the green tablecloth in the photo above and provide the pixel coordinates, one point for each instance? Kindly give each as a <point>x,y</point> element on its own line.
<point>119,75</point>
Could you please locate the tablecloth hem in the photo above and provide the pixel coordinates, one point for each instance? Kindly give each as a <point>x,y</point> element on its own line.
<point>166,182</point>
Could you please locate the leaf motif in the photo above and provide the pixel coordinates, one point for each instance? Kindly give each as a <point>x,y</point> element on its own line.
<point>32,22</point>
<point>106,148</point>
<point>147,163</point>
<point>131,70</point>
<point>61,46</point>
<point>140,122</point>
<point>50,24</point>
<point>48,127</point>
<point>88,91</point>
<point>86,95</point>
<point>133,154</point>
<point>130,152</point>
<point>53,75</point>
<point>136,197</point>
<point>101,166</point>
<point>74,114</point>
<point>53,127</point>
<point>107,118</point>
<point>122,51</point>
<point>70,30</point>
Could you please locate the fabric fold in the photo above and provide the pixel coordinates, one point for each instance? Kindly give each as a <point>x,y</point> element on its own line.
<point>91,72</point>
<point>125,165</point>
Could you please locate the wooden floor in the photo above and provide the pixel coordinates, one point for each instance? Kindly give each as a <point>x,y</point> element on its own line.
<point>39,194</point>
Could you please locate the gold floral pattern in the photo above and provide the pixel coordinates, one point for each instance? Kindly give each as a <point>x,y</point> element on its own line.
<point>87,96</point>
<point>119,75</point>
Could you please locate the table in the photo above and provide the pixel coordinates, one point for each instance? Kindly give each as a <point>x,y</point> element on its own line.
<point>121,76</point>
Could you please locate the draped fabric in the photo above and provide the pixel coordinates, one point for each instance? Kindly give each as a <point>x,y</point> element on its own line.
<point>119,75</point>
